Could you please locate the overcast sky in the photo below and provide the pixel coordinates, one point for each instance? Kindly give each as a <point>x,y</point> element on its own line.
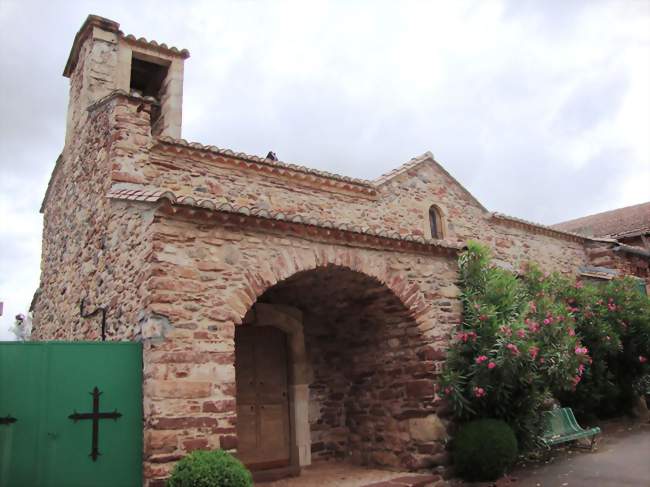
<point>540,108</point>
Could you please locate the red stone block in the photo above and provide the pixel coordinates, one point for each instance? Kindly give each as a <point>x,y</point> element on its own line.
<point>420,388</point>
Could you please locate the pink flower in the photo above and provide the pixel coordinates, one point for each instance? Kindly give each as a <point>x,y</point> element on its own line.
<point>579,285</point>
<point>571,332</point>
<point>506,330</point>
<point>480,359</point>
<point>513,348</point>
<point>533,306</point>
<point>576,380</point>
<point>479,392</point>
<point>534,327</point>
<point>521,333</point>
<point>482,317</point>
<point>611,307</point>
<point>642,359</point>
<point>533,351</point>
<point>581,350</point>
<point>448,390</point>
<point>542,360</point>
<point>581,369</point>
<point>491,365</point>
<point>547,321</point>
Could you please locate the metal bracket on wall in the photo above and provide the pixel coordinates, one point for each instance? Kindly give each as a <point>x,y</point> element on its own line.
<point>8,419</point>
<point>100,309</point>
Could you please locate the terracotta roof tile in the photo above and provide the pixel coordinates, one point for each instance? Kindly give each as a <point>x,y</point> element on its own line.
<point>303,172</point>
<point>162,47</point>
<point>628,221</point>
<point>180,200</point>
<point>543,228</point>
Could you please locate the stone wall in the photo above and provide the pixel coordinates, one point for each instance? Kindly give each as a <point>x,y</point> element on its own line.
<point>92,248</point>
<point>206,276</point>
<point>399,203</point>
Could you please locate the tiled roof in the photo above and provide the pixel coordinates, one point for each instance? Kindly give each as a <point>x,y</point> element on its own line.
<point>543,228</point>
<point>622,222</point>
<point>279,167</point>
<point>152,196</point>
<point>152,44</point>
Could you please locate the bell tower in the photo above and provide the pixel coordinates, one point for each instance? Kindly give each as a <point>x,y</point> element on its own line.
<point>103,61</point>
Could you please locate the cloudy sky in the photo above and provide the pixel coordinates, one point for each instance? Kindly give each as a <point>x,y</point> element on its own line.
<point>540,108</point>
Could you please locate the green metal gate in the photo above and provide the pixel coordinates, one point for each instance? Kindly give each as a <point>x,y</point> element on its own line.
<point>70,414</point>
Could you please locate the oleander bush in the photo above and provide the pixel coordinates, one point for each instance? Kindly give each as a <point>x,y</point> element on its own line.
<point>484,449</point>
<point>530,338</point>
<point>613,321</point>
<point>216,468</point>
<point>515,346</point>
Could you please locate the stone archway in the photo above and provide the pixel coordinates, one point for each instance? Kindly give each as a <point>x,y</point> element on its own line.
<point>360,381</point>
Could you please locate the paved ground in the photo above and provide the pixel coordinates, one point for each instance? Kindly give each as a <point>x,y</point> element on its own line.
<point>347,475</point>
<point>621,459</point>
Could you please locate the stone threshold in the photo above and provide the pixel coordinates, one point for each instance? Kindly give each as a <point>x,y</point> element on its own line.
<point>407,481</point>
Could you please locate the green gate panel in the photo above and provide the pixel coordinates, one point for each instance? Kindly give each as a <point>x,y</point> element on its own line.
<point>42,384</point>
<point>21,397</point>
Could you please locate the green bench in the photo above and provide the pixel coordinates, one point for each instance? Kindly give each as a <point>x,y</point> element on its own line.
<point>562,426</point>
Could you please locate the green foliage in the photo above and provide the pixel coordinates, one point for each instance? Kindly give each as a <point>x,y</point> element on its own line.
<point>528,338</point>
<point>514,347</point>
<point>484,449</point>
<point>614,323</point>
<point>215,468</point>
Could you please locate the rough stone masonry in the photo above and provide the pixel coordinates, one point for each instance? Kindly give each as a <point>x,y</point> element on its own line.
<point>184,242</point>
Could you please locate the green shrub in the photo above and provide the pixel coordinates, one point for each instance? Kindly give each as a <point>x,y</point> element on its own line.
<point>215,468</point>
<point>516,344</point>
<point>613,320</point>
<point>484,449</point>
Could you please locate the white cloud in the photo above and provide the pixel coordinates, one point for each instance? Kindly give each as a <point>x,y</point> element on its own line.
<point>541,109</point>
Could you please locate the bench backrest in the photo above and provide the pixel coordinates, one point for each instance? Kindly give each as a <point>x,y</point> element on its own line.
<point>561,422</point>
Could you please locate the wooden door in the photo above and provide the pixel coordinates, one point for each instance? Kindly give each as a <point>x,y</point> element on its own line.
<point>262,397</point>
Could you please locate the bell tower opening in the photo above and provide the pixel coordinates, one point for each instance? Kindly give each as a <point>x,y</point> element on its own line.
<point>148,79</point>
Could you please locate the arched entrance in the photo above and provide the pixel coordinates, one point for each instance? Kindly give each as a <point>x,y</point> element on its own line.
<point>343,349</point>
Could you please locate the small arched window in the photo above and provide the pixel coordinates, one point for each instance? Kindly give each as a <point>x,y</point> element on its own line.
<point>435,221</point>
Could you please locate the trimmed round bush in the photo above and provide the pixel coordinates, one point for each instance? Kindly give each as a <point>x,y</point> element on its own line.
<point>484,449</point>
<point>215,468</point>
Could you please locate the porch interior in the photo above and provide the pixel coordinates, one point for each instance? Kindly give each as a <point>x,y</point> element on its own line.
<point>365,379</point>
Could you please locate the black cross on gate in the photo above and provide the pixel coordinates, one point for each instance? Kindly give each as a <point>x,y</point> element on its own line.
<point>95,416</point>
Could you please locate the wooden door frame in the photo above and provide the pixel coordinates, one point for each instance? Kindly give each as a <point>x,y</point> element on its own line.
<point>289,320</point>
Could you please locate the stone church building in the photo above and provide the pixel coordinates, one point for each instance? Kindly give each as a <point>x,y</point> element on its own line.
<point>288,314</point>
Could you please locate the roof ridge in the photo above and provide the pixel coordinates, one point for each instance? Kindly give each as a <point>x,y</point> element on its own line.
<point>411,163</point>
<point>498,215</point>
<point>152,44</point>
<point>262,160</point>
